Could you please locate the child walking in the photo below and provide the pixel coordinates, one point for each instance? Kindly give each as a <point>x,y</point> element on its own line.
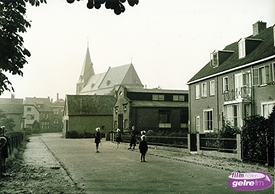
<point>118,137</point>
<point>97,138</point>
<point>143,147</point>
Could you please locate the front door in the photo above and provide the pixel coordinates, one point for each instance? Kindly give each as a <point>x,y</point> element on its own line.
<point>120,121</point>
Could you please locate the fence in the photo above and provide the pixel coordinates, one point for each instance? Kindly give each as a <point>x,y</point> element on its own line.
<point>14,141</point>
<point>180,142</point>
<point>221,147</point>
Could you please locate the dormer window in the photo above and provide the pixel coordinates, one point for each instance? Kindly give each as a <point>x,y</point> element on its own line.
<point>214,59</point>
<point>241,48</point>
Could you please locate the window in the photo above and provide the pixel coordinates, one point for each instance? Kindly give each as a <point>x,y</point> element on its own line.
<point>45,116</point>
<point>225,84</point>
<point>267,108</point>
<point>272,70</point>
<point>158,97</point>
<point>204,89</point>
<point>197,122</point>
<point>29,108</point>
<point>45,125</point>
<point>241,45</point>
<point>197,91</point>
<point>212,88</point>
<point>233,115</point>
<point>55,121</point>
<point>262,75</point>
<point>208,120</point>
<point>55,111</point>
<point>164,118</point>
<point>30,117</point>
<point>178,98</point>
<point>214,59</point>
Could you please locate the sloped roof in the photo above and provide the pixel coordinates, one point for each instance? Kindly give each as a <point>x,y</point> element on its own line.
<point>90,104</point>
<point>45,102</point>
<point>263,50</point>
<point>104,83</point>
<point>11,106</point>
<point>59,102</point>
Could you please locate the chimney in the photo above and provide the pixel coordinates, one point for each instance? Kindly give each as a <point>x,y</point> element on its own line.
<point>57,96</point>
<point>258,27</point>
<point>12,96</point>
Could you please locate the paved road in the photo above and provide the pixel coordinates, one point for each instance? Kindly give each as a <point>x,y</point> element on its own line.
<point>120,170</point>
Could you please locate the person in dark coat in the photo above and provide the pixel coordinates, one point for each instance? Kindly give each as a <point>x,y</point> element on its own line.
<point>3,149</point>
<point>118,137</point>
<point>133,138</point>
<point>97,138</point>
<point>143,148</point>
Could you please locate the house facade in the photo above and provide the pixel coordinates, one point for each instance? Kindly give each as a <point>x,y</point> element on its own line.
<point>83,113</point>
<point>57,107</point>
<point>38,110</point>
<point>237,82</point>
<point>154,109</point>
<point>13,108</point>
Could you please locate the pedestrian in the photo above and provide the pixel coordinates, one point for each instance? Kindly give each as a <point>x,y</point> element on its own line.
<point>143,148</point>
<point>4,143</point>
<point>143,134</point>
<point>118,137</point>
<point>133,138</point>
<point>97,138</point>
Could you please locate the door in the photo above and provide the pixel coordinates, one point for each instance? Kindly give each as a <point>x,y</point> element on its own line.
<point>238,85</point>
<point>120,121</point>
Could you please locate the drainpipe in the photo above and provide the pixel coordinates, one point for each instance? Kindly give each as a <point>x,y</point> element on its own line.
<point>217,87</point>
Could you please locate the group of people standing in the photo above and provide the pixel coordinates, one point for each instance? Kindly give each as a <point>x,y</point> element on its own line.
<point>143,145</point>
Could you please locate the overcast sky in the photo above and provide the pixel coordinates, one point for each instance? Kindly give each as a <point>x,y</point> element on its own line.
<point>167,41</point>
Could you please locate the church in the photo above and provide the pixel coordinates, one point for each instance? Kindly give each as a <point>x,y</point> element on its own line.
<point>92,105</point>
<point>105,83</point>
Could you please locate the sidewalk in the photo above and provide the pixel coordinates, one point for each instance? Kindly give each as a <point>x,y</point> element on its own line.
<point>37,153</point>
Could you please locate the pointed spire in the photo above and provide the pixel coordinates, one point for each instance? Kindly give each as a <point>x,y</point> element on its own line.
<point>87,68</point>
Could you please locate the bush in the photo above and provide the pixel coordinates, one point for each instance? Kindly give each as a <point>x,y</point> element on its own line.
<point>258,138</point>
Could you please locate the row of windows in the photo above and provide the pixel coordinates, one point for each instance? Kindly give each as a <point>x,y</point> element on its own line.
<point>160,97</point>
<point>201,90</point>
<point>233,113</point>
<point>261,76</point>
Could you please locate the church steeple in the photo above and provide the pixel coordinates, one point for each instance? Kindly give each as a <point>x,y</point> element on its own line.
<point>86,72</point>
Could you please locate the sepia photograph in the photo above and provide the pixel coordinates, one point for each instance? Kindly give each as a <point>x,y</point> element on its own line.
<point>137,96</point>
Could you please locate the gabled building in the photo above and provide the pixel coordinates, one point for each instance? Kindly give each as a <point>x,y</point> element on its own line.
<point>155,109</point>
<point>238,81</point>
<point>83,113</point>
<point>39,110</point>
<point>13,108</point>
<point>105,83</point>
<point>58,107</point>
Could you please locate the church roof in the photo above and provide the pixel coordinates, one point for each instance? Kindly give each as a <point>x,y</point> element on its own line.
<point>104,83</point>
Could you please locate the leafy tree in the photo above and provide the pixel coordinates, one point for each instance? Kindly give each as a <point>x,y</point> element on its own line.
<point>12,52</point>
<point>8,122</point>
<point>12,22</point>
<point>36,127</point>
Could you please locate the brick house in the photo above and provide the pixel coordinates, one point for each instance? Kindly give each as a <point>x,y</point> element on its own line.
<point>57,107</point>
<point>238,81</point>
<point>155,109</point>
<point>39,110</point>
<point>83,113</point>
